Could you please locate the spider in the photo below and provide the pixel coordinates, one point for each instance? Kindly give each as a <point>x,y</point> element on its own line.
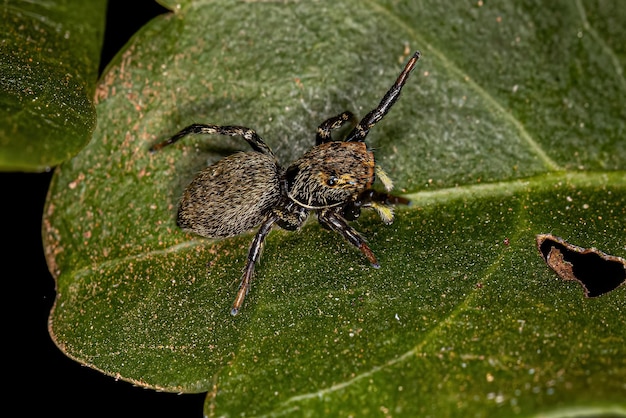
<point>248,189</point>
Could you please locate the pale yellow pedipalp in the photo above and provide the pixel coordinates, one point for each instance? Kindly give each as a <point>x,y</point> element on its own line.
<point>384,178</point>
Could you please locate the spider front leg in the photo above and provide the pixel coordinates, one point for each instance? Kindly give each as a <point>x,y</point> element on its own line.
<point>323,131</point>
<point>371,197</point>
<point>372,118</point>
<point>254,253</point>
<point>255,141</point>
<point>333,221</point>
<point>383,203</point>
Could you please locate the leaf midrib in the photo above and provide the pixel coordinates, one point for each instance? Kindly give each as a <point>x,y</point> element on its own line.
<point>616,179</point>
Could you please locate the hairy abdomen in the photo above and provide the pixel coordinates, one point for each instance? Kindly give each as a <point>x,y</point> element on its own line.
<point>230,196</point>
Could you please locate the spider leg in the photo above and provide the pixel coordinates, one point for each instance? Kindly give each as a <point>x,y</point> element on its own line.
<point>323,131</point>
<point>370,196</point>
<point>254,253</point>
<point>248,134</point>
<point>382,202</point>
<point>362,129</point>
<point>338,224</point>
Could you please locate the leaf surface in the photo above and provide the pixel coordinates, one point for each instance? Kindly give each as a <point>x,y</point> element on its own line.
<point>512,125</point>
<point>48,69</point>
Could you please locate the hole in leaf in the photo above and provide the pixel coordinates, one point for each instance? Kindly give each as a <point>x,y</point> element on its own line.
<point>597,272</point>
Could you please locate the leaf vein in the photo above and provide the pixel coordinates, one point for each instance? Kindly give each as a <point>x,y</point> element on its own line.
<point>489,99</point>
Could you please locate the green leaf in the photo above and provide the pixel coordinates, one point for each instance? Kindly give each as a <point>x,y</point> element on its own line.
<point>512,125</point>
<point>49,58</point>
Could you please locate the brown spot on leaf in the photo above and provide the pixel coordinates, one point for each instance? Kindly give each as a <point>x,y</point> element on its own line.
<point>597,272</point>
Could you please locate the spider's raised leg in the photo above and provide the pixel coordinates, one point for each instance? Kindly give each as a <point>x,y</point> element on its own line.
<point>334,221</point>
<point>323,131</point>
<point>363,127</point>
<point>253,256</point>
<point>248,134</point>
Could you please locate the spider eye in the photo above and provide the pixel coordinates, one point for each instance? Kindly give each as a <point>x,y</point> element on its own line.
<point>332,180</point>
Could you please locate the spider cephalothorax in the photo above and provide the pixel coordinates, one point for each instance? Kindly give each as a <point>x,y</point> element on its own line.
<point>330,174</point>
<point>248,189</point>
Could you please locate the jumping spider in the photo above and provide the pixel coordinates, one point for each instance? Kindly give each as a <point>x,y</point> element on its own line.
<point>333,179</point>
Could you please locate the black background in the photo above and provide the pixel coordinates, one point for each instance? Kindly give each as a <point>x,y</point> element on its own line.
<point>39,380</point>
